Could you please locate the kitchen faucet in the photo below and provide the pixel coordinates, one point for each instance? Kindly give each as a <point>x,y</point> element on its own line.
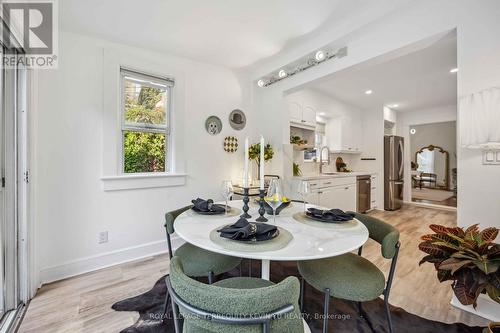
<point>321,158</point>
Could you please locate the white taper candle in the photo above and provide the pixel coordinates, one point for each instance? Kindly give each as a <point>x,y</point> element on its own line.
<point>261,162</point>
<point>245,181</point>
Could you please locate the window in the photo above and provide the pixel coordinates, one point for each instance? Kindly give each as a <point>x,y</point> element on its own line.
<point>312,154</point>
<point>146,108</point>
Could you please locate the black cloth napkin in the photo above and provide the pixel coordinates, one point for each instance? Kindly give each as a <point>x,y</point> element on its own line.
<point>332,215</point>
<point>207,206</point>
<point>244,231</point>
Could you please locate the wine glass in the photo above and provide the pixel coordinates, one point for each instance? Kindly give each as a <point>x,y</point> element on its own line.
<point>227,190</point>
<point>274,196</point>
<point>304,190</point>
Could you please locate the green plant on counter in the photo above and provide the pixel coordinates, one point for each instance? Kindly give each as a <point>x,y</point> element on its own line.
<point>296,170</point>
<point>297,140</point>
<point>469,258</point>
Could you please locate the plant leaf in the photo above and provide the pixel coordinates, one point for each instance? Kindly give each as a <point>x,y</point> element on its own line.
<point>463,294</point>
<point>474,227</point>
<point>489,234</point>
<point>430,259</point>
<point>487,266</point>
<point>439,229</point>
<point>453,264</point>
<point>432,249</point>
<point>463,255</point>
<point>494,250</point>
<point>494,279</point>
<point>447,245</point>
<point>443,275</point>
<point>427,237</point>
<point>457,231</point>
<point>493,292</point>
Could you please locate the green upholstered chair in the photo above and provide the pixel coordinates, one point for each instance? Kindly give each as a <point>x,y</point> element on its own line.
<point>196,261</point>
<point>352,277</point>
<point>240,304</point>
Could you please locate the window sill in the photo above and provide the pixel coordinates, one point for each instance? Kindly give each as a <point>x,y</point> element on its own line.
<point>142,181</point>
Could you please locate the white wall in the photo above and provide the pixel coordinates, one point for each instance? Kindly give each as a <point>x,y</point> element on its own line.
<point>419,117</point>
<point>71,206</point>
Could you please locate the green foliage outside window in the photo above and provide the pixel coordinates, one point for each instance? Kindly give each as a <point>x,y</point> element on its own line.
<point>144,151</point>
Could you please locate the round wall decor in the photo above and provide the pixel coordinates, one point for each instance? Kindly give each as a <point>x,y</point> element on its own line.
<point>213,125</point>
<point>237,119</point>
<point>230,144</point>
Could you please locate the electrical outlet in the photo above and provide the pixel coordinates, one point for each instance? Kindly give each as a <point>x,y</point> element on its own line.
<point>103,237</point>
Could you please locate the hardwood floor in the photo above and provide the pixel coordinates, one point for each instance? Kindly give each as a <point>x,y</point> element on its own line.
<point>83,303</point>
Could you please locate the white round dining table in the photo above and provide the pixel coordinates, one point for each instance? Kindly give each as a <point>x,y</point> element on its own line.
<point>309,241</point>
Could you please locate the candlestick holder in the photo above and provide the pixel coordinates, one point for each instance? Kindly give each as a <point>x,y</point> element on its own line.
<point>262,210</point>
<point>245,204</point>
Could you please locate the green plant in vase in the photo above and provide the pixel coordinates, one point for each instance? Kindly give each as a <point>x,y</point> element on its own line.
<point>254,154</point>
<point>296,170</point>
<point>469,258</point>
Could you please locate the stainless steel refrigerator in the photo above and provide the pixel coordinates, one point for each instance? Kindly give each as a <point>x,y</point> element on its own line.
<point>393,172</point>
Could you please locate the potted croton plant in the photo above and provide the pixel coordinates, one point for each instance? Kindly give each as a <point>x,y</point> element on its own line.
<point>469,258</point>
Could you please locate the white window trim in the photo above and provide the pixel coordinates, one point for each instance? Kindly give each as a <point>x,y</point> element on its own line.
<point>142,180</point>
<point>113,178</point>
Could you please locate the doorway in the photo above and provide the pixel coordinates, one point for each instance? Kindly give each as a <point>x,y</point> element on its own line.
<point>434,163</point>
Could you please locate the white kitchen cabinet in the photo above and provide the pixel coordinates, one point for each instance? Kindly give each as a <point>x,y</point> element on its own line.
<point>302,116</point>
<point>295,110</point>
<point>309,116</point>
<point>344,134</point>
<point>342,197</point>
<point>331,192</point>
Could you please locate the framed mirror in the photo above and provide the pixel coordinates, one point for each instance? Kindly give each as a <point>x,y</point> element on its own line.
<point>433,163</point>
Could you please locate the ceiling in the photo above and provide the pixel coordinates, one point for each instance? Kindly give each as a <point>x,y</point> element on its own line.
<point>416,80</point>
<point>232,33</point>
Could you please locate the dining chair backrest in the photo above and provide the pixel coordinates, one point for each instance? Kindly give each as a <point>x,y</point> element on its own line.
<point>381,232</point>
<point>170,218</point>
<point>216,302</point>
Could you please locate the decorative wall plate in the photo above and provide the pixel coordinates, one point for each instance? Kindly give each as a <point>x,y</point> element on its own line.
<point>230,144</point>
<point>237,119</point>
<point>213,125</point>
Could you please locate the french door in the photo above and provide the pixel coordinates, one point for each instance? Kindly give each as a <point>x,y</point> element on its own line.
<point>13,193</point>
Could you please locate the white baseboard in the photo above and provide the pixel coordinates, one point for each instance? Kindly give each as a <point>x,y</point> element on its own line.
<point>100,261</point>
<point>486,308</point>
<point>432,206</point>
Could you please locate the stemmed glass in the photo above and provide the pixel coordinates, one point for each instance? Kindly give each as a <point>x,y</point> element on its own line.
<point>304,190</point>
<point>227,190</point>
<point>274,196</point>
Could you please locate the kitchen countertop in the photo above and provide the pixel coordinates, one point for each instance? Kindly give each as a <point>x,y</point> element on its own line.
<point>335,175</point>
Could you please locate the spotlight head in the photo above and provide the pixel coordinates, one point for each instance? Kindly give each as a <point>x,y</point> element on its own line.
<point>320,55</point>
